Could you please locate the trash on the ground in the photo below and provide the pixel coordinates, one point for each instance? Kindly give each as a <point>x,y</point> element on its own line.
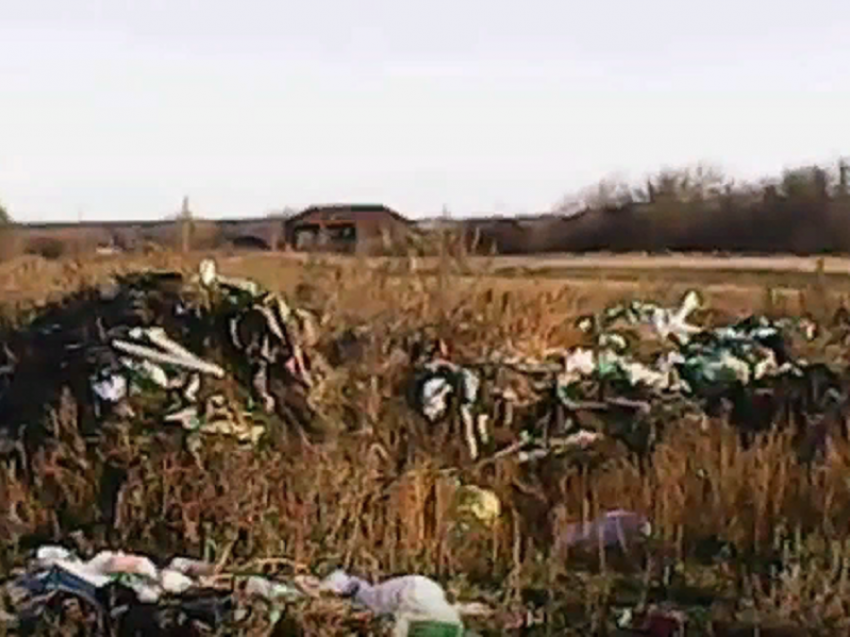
<point>209,277</point>
<point>191,567</point>
<point>275,594</point>
<point>271,591</point>
<point>613,528</point>
<point>629,381</point>
<point>169,353</point>
<point>151,335</point>
<point>481,505</point>
<point>440,385</point>
<point>536,449</point>
<point>112,389</point>
<point>47,555</point>
<point>218,418</point>
<point>265,327</point>
<point>417,604</point>
<point>748,350</point>
<point>653,621</point>
<point>158,596</point>
<point>133,571</point>
<point>431,629</point>
<point>156,338</point>
<point>474,609</point>
<point>667,322</point>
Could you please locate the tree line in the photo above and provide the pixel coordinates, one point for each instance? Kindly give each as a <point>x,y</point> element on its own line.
<point>804,211</point>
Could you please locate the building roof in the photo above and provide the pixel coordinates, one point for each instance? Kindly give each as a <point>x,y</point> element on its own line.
<point>351,212</point>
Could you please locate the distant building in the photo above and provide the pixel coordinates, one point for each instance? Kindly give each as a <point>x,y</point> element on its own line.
<point>347,228</point>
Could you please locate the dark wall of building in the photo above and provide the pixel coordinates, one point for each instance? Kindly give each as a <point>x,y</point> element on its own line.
<point>343,229</point>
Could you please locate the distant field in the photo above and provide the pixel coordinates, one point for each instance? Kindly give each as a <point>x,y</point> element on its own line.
<point>780,263</point>
<point>732,280</point>
<point>719,273</point>
<point>565,263</point>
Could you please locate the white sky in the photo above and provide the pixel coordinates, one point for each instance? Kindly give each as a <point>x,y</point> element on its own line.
<point>117,108</point>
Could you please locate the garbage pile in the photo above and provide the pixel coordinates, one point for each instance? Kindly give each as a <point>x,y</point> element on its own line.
<point>122,593</point>
<point>641,365</point>
<point>213,355</point>
<point>109,588</point>
<point>131,350</point>
<point>160,348</point>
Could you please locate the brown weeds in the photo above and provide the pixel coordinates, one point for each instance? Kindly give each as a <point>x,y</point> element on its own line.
<point>378,500</point>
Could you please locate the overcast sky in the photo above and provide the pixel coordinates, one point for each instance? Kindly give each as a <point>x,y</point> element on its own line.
<point>117,108</point>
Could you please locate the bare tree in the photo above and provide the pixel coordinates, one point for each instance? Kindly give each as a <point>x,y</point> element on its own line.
<point>611,192</point>
<point>806,182</point>
<point>690,184</point>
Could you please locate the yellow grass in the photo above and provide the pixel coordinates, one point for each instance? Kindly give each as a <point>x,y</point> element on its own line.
<point>376,501</point>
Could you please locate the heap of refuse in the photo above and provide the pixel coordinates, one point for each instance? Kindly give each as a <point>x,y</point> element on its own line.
<point>213,355</point>
<point>161,348</point>
<point>157,348</point>
<point>116,592</point>
<point>107,585</point>
<point>641,363</point>
<point>127,594</point>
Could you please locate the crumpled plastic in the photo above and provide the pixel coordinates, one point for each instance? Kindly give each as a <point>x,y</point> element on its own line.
<point>440,383</point>
<point>613,528</point>
<point>667,322</point>
<point>745,351</point>
<point>275,594</point>
<point>409,599</point>
<point>134,571</point>
<point>534,449</point>
<point>183,585</point>
<point>481,505</point>
<point>218,418</point>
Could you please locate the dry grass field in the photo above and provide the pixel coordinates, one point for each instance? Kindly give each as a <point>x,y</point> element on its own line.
<point>372,498</point>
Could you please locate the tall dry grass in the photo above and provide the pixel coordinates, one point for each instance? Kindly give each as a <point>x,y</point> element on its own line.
<point>378,498</point>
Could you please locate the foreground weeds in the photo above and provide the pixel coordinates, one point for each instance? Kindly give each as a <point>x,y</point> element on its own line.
<point>741,536</point>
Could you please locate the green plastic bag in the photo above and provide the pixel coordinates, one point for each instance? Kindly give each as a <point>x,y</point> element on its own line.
<point>434,629</point>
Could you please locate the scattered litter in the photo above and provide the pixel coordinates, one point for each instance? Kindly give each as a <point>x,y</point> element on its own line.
<point>536,450</point>
<point>184,586</point>
<point>417,604</point>
<point>614,528</point>
<point>165,351</point>
<point>630,380</point>
<point>275,594</point>
<point>271,591</point>
<point>218,418</point>
<point>134,571</point>
<point>481,505</point>
<point>170,353</point>
<point>439,384</point>
<point>154,345</point>
<point>191,567</point>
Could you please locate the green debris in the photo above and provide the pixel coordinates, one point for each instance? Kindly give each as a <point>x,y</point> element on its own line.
<point>434,629</point>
